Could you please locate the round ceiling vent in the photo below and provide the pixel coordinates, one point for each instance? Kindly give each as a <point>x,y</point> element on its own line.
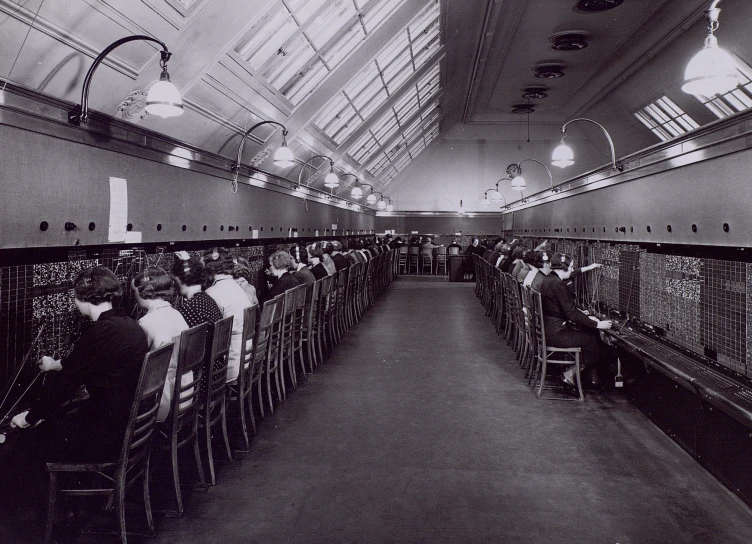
<point>549,71</point>
<point>535,93</point>
<point>522,108</point>
<point>591,6</point>
<point>572,40</point>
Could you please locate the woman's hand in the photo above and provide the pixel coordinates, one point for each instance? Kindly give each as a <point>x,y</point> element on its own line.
<point>47,364</point>
<point>604,325</point>
<point>20,421</point>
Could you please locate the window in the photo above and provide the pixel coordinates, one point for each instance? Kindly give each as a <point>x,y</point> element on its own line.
<point>297,43</point>
<point>665,119</point>
<point>736,100</point>
<point>410,50</point>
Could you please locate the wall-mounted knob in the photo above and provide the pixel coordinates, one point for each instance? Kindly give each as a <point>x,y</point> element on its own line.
<point>70,226</point>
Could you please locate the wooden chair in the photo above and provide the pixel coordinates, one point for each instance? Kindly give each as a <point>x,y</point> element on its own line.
<point>180,429</point>
<point>286,356</point>
<point>299,322</point>
<point>546,354</point>
<point>214,404</point>
<point>413,258</point>
<point>440,260</point>
<point>240,390</point>
<point>323,314</point>
<point>426,260</point>
<point>309,329</point>
<point>272,367</point>
<point>342,283</point>
<point>402,260</point>
<point>135,454</point>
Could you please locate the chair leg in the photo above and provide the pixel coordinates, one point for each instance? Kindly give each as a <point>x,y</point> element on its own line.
<point>279,376</point>
<point>199,464</point>
<point>120,508</point>
<point>243,423</point>
<point>223,422</point>
<point>542,378</point>
<point>579,378</point>
<point>209,449</point>
<point>247,403</point>
<point>147,495</point>
<point>51,498</point>
<point>176,474</point>
<point>260,397</point>
<point>269,388</point>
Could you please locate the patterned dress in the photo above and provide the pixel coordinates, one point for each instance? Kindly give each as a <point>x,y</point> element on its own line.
<point>201,308</point>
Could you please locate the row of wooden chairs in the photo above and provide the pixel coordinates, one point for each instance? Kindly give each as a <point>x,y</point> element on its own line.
<point>414,259</point>
<point>517,313</point>
<point>287,337</point>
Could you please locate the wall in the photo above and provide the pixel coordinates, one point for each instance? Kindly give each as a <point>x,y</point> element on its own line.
<point>47,178</point>
<point>440,224</point>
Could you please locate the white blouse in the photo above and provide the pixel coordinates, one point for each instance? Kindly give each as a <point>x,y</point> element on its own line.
<point>233,301</point>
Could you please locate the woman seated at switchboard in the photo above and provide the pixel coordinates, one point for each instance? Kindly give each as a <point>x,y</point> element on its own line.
<point>154,289</point>
<point>326,258</point>
<point>230,298</point>
<point>280,264</point>
<point>566,326</point>
<point>107,359</point>
<point>315,253</point>
<point>242,274</point>
<point>300,270</point>
<point>540,268</point>
<point>198,307</point>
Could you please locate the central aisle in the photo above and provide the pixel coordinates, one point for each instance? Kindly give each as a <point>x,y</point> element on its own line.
<point>420,428</point>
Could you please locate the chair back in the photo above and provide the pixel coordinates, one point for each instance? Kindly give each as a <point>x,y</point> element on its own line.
<point>275,335</point>
<point>261,340</point>
<point>453,250</point>
<point>402,250</point>
<point>539,331</point>
<point>191,351</point>
<point>215,368</point>
<point>143,416</point>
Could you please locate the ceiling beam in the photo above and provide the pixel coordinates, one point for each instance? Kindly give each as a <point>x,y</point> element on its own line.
<point>340,76</point>
<point>205,39</point>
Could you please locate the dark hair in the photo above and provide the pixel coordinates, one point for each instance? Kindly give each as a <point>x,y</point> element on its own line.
<point>242,269</point>
<point>540,258</point>
<point>518,252</point>
<point>561,261</point>
<point>97,285</point>
<point>281,260</point>
<point>528,257</point>
<point>189,272</point>
<point>316,250</point>
<point>154,282</point>
<point>336,245</point>
<point>219,260</point>
<point>299,253</point>
<point>328,247</point>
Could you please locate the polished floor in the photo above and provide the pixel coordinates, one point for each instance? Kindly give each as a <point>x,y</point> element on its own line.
<point>420,428</point>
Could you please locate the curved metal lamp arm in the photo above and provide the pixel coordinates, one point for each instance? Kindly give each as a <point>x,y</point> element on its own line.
<point>550,176</point>
<point>485,195</point>
<point>80,114</point>
<point>608,137</point>
<point>306,163</point>
<point>343,185</point>
<point>236,165</point>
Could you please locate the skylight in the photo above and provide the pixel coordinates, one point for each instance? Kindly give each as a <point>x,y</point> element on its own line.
<point>297,43</point>
<point>665,119</point>
<point>410,50</point>
<point>739,99</point>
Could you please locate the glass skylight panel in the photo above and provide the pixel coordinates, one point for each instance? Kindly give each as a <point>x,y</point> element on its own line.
<point>665,119</point>
<point>379,164</point>
<point>364,147</point>
<point>402,161</point>
<point>299,42</point>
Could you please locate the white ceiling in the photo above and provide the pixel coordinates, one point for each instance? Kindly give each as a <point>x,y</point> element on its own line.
<point>370,83</point>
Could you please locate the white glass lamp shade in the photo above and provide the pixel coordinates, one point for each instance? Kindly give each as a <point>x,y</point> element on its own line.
<point>562,156</point>
<point>389,207</point>
<point>331,180</point>
<point>518,184</point>
<point>485,203</point>
<point>283,157</point>
<point>711,71</point>
<point>356,193</point>
<point>371,199</point>
<point>163,99</point>
<point>381,205</point>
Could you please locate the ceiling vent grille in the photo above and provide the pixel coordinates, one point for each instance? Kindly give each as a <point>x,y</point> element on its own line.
<point>569,40</point>
<point>549,71</point>
<point>535,93</point>
<point>591,6</point>
<point>523,108</point>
